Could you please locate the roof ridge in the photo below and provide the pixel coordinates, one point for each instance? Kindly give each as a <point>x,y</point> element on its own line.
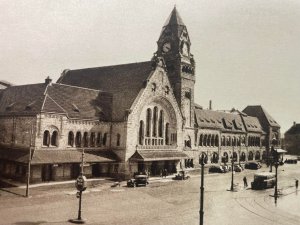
<point>55,103</point>
<point>91,89</point>
<point>124,64</point>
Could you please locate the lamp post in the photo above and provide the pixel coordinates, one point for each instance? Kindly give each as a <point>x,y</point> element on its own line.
<point>81,186</point>
<point>29,162</point>
<point>201,212</point>
<point>276,163</point>
<point>232,169</point>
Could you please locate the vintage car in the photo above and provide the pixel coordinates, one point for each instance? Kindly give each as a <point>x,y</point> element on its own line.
<point>252,165</point>
<point>140,179</point>
<point>263,180</point>
<point>238,168</point>
<point>216,169</point>
<point>182,175</point>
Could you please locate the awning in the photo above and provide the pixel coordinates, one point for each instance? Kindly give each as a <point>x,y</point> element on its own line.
<point>57,156</point>
<point>279,150</point>
<point>157,155</point>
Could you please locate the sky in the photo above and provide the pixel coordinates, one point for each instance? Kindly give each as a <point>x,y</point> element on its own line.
<point>246,52</point>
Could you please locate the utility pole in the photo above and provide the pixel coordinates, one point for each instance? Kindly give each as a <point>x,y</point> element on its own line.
<point>29,161</point>
<point>201,212</point>
<point>232,169</point>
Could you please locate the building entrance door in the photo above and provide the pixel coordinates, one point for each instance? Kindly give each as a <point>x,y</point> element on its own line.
<point>47,172</point>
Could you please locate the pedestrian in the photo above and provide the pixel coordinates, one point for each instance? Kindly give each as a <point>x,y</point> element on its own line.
<point>245,182</point>
<point>296,183</point>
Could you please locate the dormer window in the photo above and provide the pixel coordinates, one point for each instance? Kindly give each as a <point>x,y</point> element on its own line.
<point>29,106</point>
<point>10,106</point>
<point>75,108</point>
<point>167,90</point>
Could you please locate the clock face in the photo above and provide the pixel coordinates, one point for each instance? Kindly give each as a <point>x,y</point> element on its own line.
<point>166,47</point>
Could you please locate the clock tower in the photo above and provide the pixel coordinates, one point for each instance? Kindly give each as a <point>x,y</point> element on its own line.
<point>174,46</point>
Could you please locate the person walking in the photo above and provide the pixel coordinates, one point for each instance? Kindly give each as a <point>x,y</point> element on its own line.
<point>245,182</point>
<point>296,183</point>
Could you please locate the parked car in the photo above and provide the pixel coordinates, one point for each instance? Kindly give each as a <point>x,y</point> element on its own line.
<point>263,180</point>
<point>238,168</point>
<point>291,161</point>
<point>225,168</point>
<point>138,180</point>
<point>182,175</point>
<point>216,169</point>
<point>252,165</point>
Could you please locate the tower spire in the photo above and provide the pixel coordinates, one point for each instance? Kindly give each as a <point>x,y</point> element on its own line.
<point>174,18</point>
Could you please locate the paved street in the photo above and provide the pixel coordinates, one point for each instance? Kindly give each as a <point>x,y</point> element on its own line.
<point>163,202</point>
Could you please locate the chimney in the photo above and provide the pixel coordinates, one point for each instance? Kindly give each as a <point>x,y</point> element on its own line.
<point>294,123</point>
<point>210,105</point>
<point>48,81</point>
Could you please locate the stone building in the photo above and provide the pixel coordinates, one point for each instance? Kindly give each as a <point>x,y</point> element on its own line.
<point>292,139</point>
<point>128,118</point>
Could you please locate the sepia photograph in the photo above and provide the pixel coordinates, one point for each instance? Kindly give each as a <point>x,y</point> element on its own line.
<point>149,112</point>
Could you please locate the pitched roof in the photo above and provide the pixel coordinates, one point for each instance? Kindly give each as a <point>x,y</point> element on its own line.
<point>78,102</point>
<point>75,102</point>
<point>252,124</point>
<point>295,129</point>
<point>259,112</point>
<point>219,120</point>
<point>23,99</point>
<point>56,156</point>
<point>149,155</point>
<point>123,81</point>
<point>174,19</point>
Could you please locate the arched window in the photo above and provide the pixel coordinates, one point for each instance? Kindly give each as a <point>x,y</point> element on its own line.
<point>54,138</point>
<point>217,140</point>
<point>233,141</point>
<point>78,139</point>
<point>223,141</point>
<point>238,141</point>
<point>104,139</point>
<point>209,140</point>
<point>167,141</point>
<point>141,133</point>
<point>155,115</point>
<point>201,140</point>
<point>148,123</point>
<point>92,139</point>
<point>228,142</point>
<point>99,139</point>
<point>85,139</point>
<point>161,124</point>
<point>118,139</point>
<point>46,138</point>
<point>205,140</point>
<point>71,139</point>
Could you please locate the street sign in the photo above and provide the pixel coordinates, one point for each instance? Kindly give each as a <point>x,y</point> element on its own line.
<point>81,183</point>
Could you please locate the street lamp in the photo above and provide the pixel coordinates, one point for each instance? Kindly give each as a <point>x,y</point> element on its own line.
<point>232,169</point>
<point>202,158</point>
<point>29,162</point>
<point>81,186</point>
<point>276,163</point>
